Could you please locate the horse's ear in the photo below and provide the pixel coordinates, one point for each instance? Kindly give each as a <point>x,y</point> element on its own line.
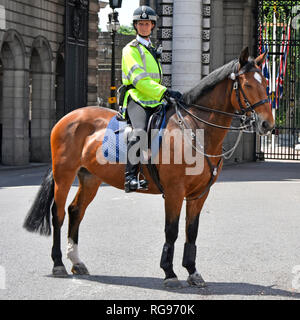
<point>244,56</point>
<point>260,59</point>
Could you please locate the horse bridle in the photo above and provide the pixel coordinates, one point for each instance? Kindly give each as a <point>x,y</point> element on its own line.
<point>238,88</point>
<point>242,115</point>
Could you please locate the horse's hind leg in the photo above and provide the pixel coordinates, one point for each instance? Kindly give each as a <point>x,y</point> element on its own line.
<point>193,209</point>
<point>63,180</point>
<point>88,186</point>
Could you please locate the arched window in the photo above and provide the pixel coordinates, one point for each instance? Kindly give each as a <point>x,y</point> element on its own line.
<point>14,100</point>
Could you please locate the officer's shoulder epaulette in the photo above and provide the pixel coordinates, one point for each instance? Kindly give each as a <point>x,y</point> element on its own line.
<point>134,43</point>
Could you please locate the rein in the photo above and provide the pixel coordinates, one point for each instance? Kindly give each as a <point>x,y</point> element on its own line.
<point>243,111</point>
<point>183,125</point>
<point>242,115</point>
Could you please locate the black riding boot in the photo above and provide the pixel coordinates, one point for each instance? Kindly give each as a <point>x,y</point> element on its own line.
<point>132,183</point>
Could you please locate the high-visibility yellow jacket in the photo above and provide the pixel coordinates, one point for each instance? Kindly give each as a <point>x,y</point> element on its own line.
<point>140,69</point>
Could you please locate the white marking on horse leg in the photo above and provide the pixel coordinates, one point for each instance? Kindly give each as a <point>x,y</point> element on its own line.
<point>72,252</point>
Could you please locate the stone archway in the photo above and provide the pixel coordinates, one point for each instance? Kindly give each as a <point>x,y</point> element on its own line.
<point>14,108</point>
<point>41,106</point>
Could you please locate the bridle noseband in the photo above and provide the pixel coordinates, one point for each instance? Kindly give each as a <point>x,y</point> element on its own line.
<point>238,88</point>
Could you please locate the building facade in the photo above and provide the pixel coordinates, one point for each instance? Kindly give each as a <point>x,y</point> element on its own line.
<point>32,73</point>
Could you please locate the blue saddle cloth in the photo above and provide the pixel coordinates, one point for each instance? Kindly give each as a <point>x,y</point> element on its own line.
<point>114,146</point>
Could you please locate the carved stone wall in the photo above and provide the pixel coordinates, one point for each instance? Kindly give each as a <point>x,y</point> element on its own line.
<point>206,13</point>
<point>164,36</point>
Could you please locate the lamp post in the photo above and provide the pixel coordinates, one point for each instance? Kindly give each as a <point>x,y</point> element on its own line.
<point>113,26</point>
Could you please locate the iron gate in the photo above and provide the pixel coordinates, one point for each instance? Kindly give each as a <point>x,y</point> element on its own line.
<point>76,54</point>
<point>278,33</point>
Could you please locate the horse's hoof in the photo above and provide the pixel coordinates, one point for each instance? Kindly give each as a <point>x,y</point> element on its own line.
<point>80,269</point>
<point>172,283</point>
<point>59,271</point>
<point>196,280</point>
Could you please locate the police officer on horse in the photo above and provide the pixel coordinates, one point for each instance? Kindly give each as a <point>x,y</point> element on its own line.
<point>142,74</point>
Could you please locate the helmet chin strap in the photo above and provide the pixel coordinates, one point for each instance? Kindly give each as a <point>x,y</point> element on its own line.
<point>145,37</point>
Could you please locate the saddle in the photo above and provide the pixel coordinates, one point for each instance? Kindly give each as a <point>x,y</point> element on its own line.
<point>155,126</point>
<point>115,147</point>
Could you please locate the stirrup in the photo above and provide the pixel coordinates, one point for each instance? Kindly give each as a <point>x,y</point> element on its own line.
<point>142,184</point>
<point>127,185</point>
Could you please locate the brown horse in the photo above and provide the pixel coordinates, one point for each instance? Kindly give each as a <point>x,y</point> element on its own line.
<point>234,90</point>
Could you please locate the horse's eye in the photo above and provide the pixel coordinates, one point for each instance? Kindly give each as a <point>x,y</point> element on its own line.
<point>248,85</point>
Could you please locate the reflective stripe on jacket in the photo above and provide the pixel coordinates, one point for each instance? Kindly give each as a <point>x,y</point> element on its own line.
<point>140,69</point>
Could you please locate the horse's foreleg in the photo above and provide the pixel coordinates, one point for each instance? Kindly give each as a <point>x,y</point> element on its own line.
<point>63,181</point>
<point>193,209</point>
<point>173,206</point>
<point>88,186</point>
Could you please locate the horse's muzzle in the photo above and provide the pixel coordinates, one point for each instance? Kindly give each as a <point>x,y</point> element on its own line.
<point>264,127</point>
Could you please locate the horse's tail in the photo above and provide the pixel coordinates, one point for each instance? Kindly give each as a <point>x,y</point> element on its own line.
<point>38,217</point>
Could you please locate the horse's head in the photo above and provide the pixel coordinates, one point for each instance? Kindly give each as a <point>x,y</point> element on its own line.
<point>249,94</point>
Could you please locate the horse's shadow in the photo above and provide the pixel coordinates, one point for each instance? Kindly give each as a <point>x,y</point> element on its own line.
<point>212,288</point>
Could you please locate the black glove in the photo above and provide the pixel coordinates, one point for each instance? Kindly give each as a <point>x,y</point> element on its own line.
<point>173,94</point>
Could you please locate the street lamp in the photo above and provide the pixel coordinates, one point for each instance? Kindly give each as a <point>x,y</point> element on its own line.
<point>115,4</point>
<point>113,26</point>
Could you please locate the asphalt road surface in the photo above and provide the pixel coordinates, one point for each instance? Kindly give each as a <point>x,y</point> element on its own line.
<point>248,242</point>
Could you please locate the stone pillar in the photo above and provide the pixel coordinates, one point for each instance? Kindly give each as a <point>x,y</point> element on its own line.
<point>15,96</point>
<point>41,116</point>
<point>47,115</point>
<point>150,3</point>
<point>206,35</point>
<point>249,152</point>
<point>248,26</point>
<point>164,35</point>
<point>36,114</point>
<point>21,111</point>
<point>187,44</point>
<point>217,35</point>
<point>92,52</point>
<point>8,117</point>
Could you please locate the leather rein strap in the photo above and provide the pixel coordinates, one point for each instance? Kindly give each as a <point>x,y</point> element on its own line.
<point>243,111</point>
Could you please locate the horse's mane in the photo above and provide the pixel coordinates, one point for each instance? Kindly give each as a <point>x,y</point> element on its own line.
<point>209,82</point>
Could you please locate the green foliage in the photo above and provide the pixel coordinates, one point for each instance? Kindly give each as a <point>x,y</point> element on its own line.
<point>127,30</point>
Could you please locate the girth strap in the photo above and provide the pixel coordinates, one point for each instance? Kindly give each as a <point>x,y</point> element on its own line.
<point>214,172</point>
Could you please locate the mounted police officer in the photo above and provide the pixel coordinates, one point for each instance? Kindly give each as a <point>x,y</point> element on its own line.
<point>142,74</point>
